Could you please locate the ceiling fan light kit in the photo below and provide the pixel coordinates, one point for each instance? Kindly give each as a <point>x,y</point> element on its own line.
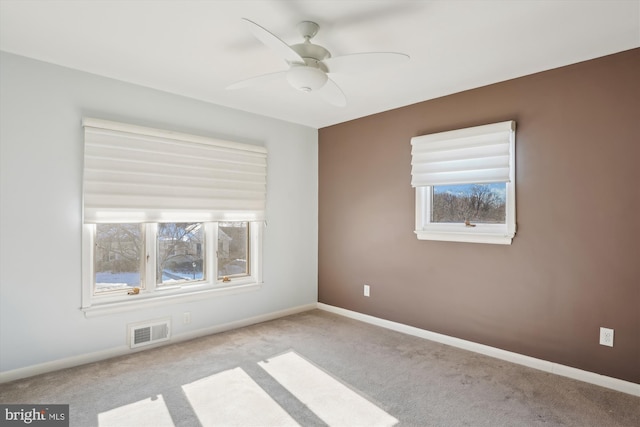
<point>306,78</point>
<point>310,65</point>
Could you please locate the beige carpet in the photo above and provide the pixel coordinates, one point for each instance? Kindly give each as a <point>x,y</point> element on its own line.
<point>319,369</point>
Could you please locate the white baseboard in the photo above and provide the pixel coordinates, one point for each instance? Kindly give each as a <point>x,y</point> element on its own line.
<point>97,356</point>
<point>520,359</point>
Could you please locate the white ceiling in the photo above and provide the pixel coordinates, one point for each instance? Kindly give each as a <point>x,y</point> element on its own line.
<point>197,48</point>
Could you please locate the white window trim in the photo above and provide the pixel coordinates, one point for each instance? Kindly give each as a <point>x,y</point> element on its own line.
<point>151,296</point>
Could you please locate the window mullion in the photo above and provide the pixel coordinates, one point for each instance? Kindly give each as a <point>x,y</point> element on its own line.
<point>255,250</point>
<point>211,239</point>
<point>151,251</point>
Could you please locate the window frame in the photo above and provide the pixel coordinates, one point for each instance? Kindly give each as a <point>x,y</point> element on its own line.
<point>248,255</point>
<point>154,294</point>
<point>425,229</point>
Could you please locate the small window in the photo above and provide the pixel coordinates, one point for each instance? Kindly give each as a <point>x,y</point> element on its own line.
<point>465,184</point>
<point>470,204</point>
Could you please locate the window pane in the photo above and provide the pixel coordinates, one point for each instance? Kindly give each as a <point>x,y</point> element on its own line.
<point>476,203</point>
<point>118,257</point>
<point>180,252</point>
<point>233,249</point>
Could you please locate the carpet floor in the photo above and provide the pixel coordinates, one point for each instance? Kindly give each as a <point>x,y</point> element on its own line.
<point>317,369</point>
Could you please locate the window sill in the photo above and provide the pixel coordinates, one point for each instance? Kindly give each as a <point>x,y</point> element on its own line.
<point>141,301</point>
<point>466,236</point>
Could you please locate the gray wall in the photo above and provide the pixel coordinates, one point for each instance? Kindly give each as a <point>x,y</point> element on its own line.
<point>40,217</point>
<point>574,264</point>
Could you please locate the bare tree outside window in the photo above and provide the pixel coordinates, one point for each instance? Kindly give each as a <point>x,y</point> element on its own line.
<point>117,255</point>
<point>180,252</point>
<point>476,203</point>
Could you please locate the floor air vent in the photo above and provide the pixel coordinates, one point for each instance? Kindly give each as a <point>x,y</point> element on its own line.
<point>149,333</point>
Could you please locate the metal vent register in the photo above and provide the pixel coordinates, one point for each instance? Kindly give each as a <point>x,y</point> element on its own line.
<point>149,333</point>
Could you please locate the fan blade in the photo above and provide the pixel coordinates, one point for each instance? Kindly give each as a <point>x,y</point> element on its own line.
<point>332,93</point>
<point>258,80</point>
<point>274,42</point>
<point>359,62</point>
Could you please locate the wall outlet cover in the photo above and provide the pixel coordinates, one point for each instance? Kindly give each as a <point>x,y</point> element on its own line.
<point>606,337</point>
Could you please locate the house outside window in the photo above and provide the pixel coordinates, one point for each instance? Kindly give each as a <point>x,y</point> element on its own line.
<point>233,250</point>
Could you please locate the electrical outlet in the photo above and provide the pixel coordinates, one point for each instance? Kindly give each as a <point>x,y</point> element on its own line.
<point>606,337</point>
<point>367,290</point>
<point>186,317</point>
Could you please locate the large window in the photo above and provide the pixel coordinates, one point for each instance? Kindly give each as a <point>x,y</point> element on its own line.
<point>465,184</point>
<point>168,215</point>
<point>169,258</point>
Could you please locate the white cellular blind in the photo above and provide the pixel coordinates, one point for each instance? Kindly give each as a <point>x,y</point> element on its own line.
<point>137,174</point>
<point>476,155</point>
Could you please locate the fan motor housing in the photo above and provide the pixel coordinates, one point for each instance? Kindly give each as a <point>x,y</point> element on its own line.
<point>311,51</point>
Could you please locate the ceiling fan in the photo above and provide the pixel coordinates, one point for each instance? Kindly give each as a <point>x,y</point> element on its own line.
<point>310,65</point>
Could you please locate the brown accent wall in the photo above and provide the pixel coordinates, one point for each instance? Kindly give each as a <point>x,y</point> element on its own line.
<point>574,264</point>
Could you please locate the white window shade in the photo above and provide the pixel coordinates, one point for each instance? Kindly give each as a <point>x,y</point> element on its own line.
<point>477,155</point>
<point>137,174</point>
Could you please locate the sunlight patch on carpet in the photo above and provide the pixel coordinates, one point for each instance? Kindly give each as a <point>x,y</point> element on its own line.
<point>150,412</point>
<point>332,401</point>
<point>232,398</point>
